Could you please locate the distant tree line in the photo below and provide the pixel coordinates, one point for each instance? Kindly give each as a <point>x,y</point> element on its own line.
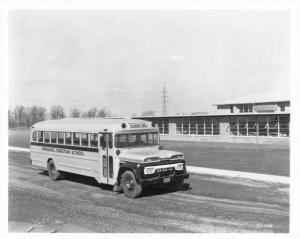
<point>25,117</point>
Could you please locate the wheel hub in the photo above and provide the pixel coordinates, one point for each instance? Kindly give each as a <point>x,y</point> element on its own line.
<point>129,185</point>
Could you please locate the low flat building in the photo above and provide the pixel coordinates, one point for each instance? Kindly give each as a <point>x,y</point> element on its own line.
<point>257,118</point>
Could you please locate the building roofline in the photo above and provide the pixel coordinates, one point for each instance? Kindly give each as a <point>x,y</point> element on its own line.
<point>208,115</point>
<point>249,102</point>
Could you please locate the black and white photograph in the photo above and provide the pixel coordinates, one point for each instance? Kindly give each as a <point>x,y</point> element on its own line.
<point>150,120</point>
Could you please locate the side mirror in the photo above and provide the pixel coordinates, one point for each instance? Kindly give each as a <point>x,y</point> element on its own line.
<point>160,147</point>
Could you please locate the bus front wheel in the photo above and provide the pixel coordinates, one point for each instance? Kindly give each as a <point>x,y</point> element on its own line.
<point>53,173</point>
<point>130,187</point>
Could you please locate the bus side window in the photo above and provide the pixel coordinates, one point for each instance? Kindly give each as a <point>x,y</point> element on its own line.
<point>68,138</point>
<point>61,137</point>
<point>47,137</point>
<point>94,140</point>
<point>102,142</point>
<point>34,136</point>
<point>76,138</point>
<point>53,137</point>
<point>84,139</point>
<point>41,136</point>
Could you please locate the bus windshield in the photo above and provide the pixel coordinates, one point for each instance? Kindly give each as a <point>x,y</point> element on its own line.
<point>135,140</point>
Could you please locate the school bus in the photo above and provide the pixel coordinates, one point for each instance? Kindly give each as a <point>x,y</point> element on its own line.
<point>125,153</point>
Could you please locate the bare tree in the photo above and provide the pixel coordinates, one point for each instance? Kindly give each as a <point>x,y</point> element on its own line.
<point>75,113</point>
<point>19,113</point>
<point>11,120</point>
<point>28,117</point>
<point>91,113</point>
<point>103,112</point>
<point>148,113</point>
<point>41,113</point>
<point>57,112</point>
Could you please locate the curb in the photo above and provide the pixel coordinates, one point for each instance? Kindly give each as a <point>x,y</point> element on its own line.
<point>239,174</point>
<point>215,172</point>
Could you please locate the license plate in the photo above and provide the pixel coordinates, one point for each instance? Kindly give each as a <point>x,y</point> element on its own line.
<point>167,180</point>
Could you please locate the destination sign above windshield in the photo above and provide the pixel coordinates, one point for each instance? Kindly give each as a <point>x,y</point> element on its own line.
<point>137,125</point>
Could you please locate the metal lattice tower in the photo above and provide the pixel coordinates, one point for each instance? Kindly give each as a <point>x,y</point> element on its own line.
<point>164,101</point>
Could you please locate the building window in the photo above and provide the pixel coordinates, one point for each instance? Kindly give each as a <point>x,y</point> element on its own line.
<point>282,107</point>
<point>242,126</point>
<point>231,109</point>
<point>193,127</point>
<point>273,125</point>
<point>233,126</point>
<point>216,127</point>
<point>200,126</point>
<point>284,122</point>
<point>262,126</point>
<point>245,108</point>
<point>178,123</point>
<point>186,126</point>
<point>160,126</point>
<point>252,126</point>
<point>208,126</point>
<point>166,126</point>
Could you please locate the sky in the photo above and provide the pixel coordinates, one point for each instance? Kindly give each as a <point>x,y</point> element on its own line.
<point>120,59</point>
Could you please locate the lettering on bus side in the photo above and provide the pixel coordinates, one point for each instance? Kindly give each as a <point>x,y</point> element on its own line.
<point>63,151</point>
<point>136,126</point>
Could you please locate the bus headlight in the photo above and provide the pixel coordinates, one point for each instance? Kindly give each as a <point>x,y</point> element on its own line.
<point>179,166</point>
<point>149,170</point>
<point>178,157</point>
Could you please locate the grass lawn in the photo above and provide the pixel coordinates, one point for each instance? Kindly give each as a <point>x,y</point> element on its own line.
<point>256,158</point>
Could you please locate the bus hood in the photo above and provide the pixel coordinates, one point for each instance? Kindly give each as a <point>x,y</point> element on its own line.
<point>139,155</point>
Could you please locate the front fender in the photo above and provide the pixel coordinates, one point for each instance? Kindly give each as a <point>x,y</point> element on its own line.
<point>124,166</point>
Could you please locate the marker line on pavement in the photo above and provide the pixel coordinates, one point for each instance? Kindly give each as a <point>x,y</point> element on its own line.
<point>214,172</point>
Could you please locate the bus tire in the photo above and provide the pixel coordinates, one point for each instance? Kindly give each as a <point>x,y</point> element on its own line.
<point>130,187</point>
<point>53,173</point>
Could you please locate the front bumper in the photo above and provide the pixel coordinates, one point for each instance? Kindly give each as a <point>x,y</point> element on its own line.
<point>160,179</point>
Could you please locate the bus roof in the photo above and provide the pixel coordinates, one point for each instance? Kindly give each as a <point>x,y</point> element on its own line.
<point>94,125</point>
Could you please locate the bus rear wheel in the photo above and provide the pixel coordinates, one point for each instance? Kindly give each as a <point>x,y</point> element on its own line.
<point>130,187</point>
<point>53,173</point>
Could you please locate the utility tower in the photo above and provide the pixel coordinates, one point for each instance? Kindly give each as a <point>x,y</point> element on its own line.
<point>164,100</point>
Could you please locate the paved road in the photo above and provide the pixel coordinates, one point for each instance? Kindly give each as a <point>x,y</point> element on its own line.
<point>79,204</point>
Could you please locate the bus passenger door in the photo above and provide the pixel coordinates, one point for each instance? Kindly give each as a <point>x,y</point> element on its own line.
<point>107,160</point>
